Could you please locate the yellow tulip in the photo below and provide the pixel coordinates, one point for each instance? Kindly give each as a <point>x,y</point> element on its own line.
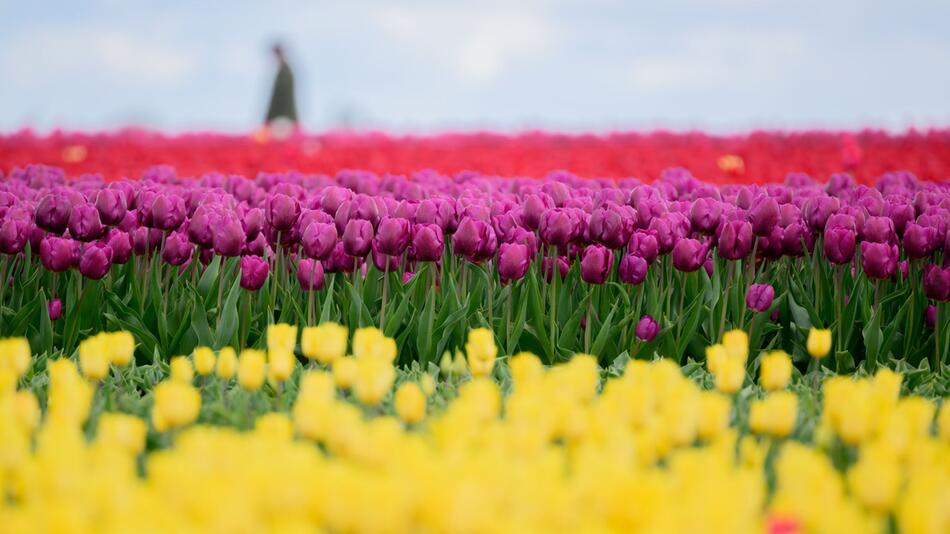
<point>775,370</point>
<point>204,361</point>
<point>181,369</point>
<point>324,343</point>
<point>410,402</point>
<point>227,363</point>
<point>251,367</point>
<point>818,343</point>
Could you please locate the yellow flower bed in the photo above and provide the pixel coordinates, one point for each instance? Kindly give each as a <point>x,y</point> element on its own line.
<point>565,451</point>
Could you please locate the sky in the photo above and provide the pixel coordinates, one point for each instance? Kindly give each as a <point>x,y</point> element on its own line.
<point>426,66</point>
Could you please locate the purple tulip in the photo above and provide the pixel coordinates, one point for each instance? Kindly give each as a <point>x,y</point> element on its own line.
<point>333,197</point>
<point>111,205</point>
<point>839,244</point>
<point>167,212</point>
<point>428,243</point>
<point>608,227</point>
<point>56,253</point>
<point>644,244</point>
<point>55,309</point>
<point>384,262</point>
<point>665,231</point>
<point>760,297</point>
<point>201,226</point>
<point>84,223</point>
<point>407,276</point>
<point>358,237</point>
<point>937,283</point>
<point>533,210</point>
<point>95,261</point>
<point>633,269</point>
<point>228,236</point>
<point>547,267</point>
<point>556,228</point>
<point>764,216</point>
<point>879,230</point>
<point>282,212</point>
<point>647,328</point>
<point>524,237</point>
<point>436,211</point>
<point>254,272</point>
<point>689,255</point>
<point>704,215</point>
<point>818,209</point>
<point>796,239</point>
<point>919,241</point>
<point>879,260</point>
<point>596,264</point>
<point>310,274</point>
<point>177,250</point>
<point>735,240</point>
<point>393,235</point>
<point>474,240</point>
<point>513,261</point>
<point>319,239</point>
<point>14,233</point>
<point>902,214</point>
<point>339,261</point>
<point>52,213</point>
<point>930,316</point>
<point>121,244</point>
<point>253,223</point>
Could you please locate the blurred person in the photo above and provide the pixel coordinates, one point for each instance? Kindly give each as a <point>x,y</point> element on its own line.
<point>281,117</point>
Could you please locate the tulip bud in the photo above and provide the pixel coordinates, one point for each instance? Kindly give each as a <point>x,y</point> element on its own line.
<point>937,283</point>
<point>166,212</point>
<point>474,240</point>
<point>608,227</point>
<point>839,244</point>
<point>52,213</point>
<point>56,253</point>
<point>14,233</point>
<point>253,223</point>
<point>633,269</point>
<point>556,227</point>
<point>513,261</point>
<point>384,262</point>
<point>919,241</point>
<point>393,235</point>
<point>704,215</point>
<point>177,249</point>
<point>644,244</point>
<point>254,272</point>
<point>547,267</point>
<point>689,255</point>
<point>55,309</point>
<point>760,297</point>
<point>201,226</point>
<point>228,236</point>
<point>319,239</point>
<point>111,206</point>
<point>121,245</point>
<point>764,215</point>
<point>358,237</point>
<point>930,316</point>
<point>735,240</point>
<point>339,261</point>
<point>647,328</point>
<point>95,261</point>
<point>427,242</point>
<point>596,264</point>
<point>879,260</point>
<point>879,230</point>
<point>310,274</point>
<point>282,212</point>
<point>818,209</point>
<point>84,223</point>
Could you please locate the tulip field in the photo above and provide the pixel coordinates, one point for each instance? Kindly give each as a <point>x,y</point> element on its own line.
<point>252,337</point>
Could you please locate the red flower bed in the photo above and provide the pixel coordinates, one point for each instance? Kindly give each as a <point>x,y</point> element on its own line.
<point>758,157</point>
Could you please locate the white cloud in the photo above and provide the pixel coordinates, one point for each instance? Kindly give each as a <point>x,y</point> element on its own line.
<point>45,55</point>
<point>719,57</point>
<point>479,43</point>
